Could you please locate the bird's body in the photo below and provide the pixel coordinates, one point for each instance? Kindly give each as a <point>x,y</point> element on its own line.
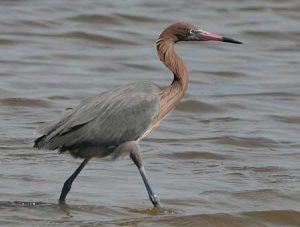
<point>112,123</point>
<point>99,124</point>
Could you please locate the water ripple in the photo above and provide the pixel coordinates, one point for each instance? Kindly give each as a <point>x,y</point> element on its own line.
<point>24,102</point>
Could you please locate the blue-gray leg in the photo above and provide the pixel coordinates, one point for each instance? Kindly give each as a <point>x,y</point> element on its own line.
<point>68,184</point>
<point>154,198</point>
<point>137,159</point>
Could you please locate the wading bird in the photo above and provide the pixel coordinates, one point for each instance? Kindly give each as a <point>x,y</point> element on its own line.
<point>113,123</point>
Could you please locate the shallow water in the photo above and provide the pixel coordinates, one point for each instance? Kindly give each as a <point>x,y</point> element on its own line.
<point>227,156</point>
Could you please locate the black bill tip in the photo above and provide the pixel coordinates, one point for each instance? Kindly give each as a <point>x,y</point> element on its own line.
<point>229,40</point>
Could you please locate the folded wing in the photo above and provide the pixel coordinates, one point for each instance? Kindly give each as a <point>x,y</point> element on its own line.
<point>108,119</point>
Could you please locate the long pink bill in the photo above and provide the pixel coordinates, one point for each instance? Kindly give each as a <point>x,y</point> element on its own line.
<point>207,36</point>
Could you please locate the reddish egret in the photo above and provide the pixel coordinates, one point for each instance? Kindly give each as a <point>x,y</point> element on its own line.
<point>113,123</point>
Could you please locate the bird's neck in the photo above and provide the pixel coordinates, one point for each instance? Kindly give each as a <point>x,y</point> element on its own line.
<point>172,94</point>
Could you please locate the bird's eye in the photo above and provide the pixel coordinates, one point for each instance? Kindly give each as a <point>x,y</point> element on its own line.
<point>192,32</point>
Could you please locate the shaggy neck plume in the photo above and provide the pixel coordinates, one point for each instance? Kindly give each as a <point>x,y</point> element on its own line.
<point>172,94</point>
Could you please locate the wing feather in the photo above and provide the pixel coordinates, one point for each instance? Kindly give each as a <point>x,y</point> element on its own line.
<point>111,118</point>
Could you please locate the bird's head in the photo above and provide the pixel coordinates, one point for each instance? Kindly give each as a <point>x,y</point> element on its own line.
<point>188,32</point>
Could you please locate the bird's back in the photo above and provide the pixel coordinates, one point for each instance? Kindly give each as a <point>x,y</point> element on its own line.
<point>100,123</point>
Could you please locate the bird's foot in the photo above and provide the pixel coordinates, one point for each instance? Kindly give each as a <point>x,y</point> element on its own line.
<point>155,201</point>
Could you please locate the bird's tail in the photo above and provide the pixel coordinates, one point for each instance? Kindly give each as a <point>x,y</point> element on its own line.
<point>38,143</point>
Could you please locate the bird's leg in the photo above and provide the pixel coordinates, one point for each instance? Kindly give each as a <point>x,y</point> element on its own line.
<point>68,184</point>
<point>154,198</point>
<point>136,157</point>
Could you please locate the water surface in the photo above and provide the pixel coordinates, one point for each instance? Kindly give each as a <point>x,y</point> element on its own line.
<point>227,156</point>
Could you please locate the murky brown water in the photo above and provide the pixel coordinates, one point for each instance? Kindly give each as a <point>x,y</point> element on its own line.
<point>227,156</point>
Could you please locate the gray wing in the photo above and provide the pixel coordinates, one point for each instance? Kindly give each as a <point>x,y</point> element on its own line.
<point>108,119</point>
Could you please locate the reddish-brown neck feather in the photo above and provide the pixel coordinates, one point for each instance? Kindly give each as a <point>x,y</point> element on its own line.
<point>172,94</point>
